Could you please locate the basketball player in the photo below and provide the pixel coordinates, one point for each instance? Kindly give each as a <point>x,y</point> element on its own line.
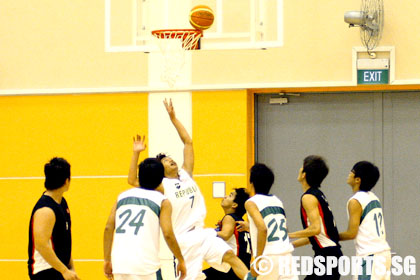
<point>268,226</point>
<point>234,207</point>
<point>132,252</point>
<point>317,219</point>
<point>50,227</point>
<point>189,210</point>
<point>366,222</point>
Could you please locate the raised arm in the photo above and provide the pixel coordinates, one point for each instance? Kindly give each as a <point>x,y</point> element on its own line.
<point>139,145</point>
<point>43,224</point>
<point>188,164</point>
<point>169,236</point>
<point>310,204</point>
<point>355,213</point>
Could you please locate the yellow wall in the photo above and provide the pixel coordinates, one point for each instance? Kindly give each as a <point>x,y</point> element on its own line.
<point>93,132</point>
<point>220,130</point>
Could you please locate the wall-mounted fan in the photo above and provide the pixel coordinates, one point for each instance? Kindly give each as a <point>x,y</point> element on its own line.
<point>370,20</point>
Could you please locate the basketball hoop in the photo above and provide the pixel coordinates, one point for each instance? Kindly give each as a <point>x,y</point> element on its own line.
<point>173,43</point>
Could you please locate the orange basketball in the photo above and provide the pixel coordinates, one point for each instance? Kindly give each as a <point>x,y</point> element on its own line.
<point>201,17</point>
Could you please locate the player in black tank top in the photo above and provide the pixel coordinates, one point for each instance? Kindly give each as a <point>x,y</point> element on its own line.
<point>49,248</point>
<point>233,205</point>
<point>61,235</point>
<point>317,219</point>
<point>328,221</point>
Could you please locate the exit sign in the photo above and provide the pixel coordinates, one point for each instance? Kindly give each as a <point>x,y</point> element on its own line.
<point>372,77</point>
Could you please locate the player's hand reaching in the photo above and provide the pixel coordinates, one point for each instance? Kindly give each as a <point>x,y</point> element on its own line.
<point>242,226</point>
<point>139,144</point>
<point>181,270</point>
<point>169,108</point>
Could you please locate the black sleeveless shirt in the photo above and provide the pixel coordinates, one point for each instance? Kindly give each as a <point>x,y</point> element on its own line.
<point>61,234</point>
<point>328,236</point>
<point>243,241</point>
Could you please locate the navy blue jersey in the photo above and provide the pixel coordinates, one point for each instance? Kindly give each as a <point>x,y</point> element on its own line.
<point>60,238</point>
<point>328,237</point>
<point>243,242</point>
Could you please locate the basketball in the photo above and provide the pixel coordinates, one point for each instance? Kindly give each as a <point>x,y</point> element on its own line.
<point>201,17</point>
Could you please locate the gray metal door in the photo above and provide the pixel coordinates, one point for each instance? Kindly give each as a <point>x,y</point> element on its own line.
<point>344,128</point>
<point>401,172</point>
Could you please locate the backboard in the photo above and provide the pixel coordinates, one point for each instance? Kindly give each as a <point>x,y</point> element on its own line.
<point>239,24</point>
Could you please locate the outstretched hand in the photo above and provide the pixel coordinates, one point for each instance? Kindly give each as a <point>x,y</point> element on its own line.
<point>139,144</point>
<point>242,226</point>
<point>169,108</point>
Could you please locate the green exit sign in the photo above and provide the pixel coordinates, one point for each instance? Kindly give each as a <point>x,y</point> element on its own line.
<point>372,77</point>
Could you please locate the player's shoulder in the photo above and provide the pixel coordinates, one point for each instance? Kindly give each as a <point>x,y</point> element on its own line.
<point>184,175</point>
<point>310,199</point>
<point>364,197</point>
<point>141,193</point>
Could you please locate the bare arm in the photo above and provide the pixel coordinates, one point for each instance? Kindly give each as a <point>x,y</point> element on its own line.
<point>43,224</point>
<point>355,213</point>
<point>188,164</point>
<point>228,228</point>
<point>139,145</point>
<point>169,236</point>
<point>108,240</point>
<point>310,204</point>
<point>300,242</point>
<point>255,214</point>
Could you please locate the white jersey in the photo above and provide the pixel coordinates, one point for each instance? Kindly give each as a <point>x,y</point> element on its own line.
<point>135,247</point>
<point>371,237</point>
<point>188,206</point>
<point>272,211</point>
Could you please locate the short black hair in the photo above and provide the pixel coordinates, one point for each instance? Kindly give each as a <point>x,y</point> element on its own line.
<point>316,170</point>
<point>150,173</point>
<point>368,174</point>
<point>160,156</point>
<point>240,198</point>
<point>262,178</point>
<point>56,171</point>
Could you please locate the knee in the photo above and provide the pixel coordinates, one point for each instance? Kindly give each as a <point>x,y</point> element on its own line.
<point>229,256</point>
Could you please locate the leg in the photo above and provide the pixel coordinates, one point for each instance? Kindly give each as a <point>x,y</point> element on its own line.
<point>237,265</point>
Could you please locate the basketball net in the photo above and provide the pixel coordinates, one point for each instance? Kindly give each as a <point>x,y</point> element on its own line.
<point>173,44</point>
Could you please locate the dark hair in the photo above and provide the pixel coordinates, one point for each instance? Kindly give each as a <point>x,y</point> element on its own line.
<point>150,173</point>
<point>368,174</point>
<point>240,198</point>
<point>160,156</point>
<point>262,178</point>
<point>316,170</point>
<point>57,171</point>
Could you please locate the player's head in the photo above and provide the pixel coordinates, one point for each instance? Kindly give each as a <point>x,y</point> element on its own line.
<point>262,178</point>
<point>168,163</point>
<point>236,201</point>
<point>364,173</point>
<point>314,170</point>
<point>150,173</point>
<point>57,173</point>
